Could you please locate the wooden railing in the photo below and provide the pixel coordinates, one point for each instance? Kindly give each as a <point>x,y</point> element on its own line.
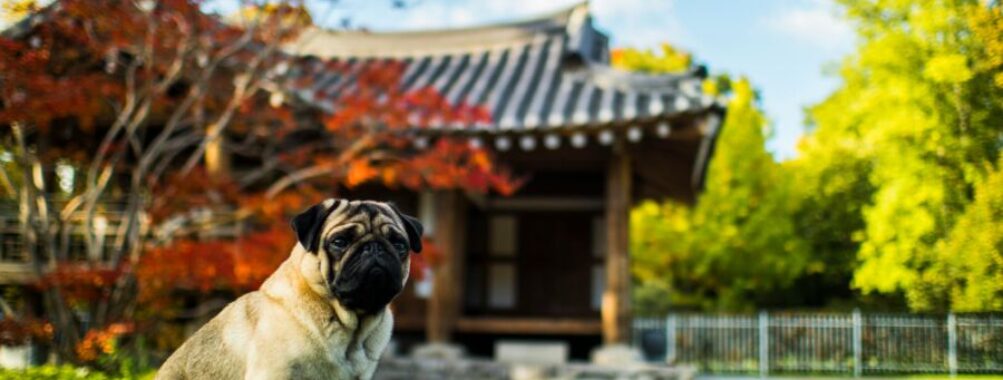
<point>15,259</point>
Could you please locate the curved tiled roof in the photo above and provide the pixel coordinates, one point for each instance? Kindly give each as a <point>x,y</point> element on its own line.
<point>545,73</point>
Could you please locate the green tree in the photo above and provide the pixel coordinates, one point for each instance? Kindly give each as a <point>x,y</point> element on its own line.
<point>919,117</point>
<point>987,24</point>
<point>737,244</point>
<point>828,217</point>
<point>969,266</point>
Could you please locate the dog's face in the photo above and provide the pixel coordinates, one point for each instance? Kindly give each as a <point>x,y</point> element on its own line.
<point>360,251</point>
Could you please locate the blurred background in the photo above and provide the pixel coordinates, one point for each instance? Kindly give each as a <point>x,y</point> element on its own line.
<point>609,189</point>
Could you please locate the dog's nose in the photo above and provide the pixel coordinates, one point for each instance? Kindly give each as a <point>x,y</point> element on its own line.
<point>372,247</point>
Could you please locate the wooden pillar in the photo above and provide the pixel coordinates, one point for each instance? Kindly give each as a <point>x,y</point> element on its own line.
<point>616,315</point>
<point>217,162</point>
<point>445,303</point>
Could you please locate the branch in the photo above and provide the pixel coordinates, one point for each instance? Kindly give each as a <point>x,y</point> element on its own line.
<point>296,177</point>
<point>315,171</point>
<point>8,186</point>
<point>245,87</point>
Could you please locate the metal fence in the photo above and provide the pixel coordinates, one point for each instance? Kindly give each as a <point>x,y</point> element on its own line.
<point>848,344</point>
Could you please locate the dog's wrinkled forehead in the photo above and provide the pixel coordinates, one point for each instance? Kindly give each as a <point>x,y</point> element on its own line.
<point>372,217</point>
<point>315,223</point>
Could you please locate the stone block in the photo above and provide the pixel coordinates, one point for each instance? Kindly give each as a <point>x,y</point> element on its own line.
<point>617,355</point>
<point>15,357</point>
<point>526,352</point>
<point>439,351</point>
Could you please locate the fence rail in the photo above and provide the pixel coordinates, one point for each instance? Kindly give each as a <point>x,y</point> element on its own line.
<point>14,246</point>
<point>850,344</point>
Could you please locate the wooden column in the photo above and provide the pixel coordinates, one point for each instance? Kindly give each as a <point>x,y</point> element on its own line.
<point>616,313</point>
<point>445,304</point>
<point>217,161</point>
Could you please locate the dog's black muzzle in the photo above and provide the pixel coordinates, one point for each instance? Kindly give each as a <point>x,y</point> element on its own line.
<point>370,279</point>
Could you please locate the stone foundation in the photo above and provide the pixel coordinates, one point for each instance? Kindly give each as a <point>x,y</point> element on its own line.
<point>395,368</point>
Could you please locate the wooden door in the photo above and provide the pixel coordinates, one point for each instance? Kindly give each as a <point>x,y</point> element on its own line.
<point>554,264</point>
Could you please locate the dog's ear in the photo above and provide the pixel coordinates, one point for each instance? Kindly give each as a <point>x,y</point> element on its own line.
<point>413,228</point>
<point>308,224</point>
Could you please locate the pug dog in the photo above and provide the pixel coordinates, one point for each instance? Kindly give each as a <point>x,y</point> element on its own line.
<point>323,314</point>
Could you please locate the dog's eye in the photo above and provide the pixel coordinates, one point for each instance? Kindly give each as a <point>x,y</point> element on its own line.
<point>399,246</point>
<point>339,242</point>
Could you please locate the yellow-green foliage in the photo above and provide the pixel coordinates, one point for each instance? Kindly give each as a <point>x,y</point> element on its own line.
<point>66,372</point>
<point>15,10</point>
<point>671,60</point>
<point>987,24</point>
<point>738,240</point>
<point>896,191</point>
<point>924,121</point>
<point>969,266</point>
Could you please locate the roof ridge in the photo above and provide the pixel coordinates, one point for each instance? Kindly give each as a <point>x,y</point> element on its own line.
<point>562,15</point>
<point>332,43</point>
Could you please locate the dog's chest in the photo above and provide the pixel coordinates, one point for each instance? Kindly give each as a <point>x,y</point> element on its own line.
<point>332,364</point>
<point>299,352</point>
<point>343,359</point>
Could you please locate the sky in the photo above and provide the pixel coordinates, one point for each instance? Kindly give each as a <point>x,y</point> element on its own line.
<point>785,47</point>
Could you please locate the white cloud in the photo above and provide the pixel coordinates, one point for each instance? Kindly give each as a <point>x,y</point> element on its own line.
<point>523,8</point>
<point>446,14</point>
<point>640,23</point>
<point>434,16</point>
<point>816,24</point>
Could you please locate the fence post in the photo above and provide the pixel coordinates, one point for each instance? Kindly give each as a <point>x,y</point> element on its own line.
<point>858,344</point>
<point>670,339</point>
<point>764,344</point>
<point>952,344</point>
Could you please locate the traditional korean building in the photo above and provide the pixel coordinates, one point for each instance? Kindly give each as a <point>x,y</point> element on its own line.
<point>552,261</point>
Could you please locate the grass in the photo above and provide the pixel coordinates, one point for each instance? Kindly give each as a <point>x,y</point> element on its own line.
<point>959,377</point>
<point>66,372</point>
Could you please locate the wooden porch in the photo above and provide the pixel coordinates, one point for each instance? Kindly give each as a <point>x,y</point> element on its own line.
<point>512,325</point>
